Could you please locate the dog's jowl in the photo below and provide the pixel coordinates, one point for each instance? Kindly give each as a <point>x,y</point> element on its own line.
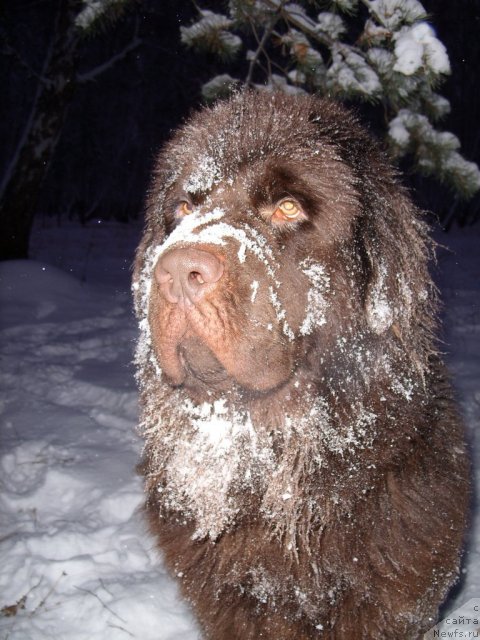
<point>304,464</point>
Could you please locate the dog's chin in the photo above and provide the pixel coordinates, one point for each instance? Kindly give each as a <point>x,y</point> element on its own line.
<point>198,370</point>
<point>201,372</point>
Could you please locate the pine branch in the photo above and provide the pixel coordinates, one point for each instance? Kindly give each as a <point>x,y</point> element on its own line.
<point>94,15</point>
<point>260,49</point>
<point>88,76</point>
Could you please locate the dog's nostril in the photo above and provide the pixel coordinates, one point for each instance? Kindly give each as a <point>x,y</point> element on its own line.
<point>195,275</point>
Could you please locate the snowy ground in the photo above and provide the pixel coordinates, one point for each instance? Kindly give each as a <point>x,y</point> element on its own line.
<point>75,561</point>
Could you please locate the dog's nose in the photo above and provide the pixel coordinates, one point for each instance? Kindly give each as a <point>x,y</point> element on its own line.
<point>186,274</point>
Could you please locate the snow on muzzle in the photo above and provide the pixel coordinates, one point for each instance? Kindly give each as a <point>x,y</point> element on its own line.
<point>195,265</point>
<point>193,270</point>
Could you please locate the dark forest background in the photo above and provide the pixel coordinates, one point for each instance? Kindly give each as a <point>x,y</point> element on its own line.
<point>119,117</point>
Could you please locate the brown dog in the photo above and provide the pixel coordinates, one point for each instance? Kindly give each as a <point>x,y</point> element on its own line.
<point>305,467</point>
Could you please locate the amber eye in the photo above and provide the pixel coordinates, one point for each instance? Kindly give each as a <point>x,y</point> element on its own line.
<point>287,210</point>
<point>184,208</point>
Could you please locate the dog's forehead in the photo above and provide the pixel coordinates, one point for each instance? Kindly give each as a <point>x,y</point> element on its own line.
<point>216,145</point>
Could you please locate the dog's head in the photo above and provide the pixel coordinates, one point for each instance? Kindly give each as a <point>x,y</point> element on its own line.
<point>278,241</point>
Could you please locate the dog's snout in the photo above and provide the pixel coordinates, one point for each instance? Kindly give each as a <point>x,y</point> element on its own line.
<point>186,274</point>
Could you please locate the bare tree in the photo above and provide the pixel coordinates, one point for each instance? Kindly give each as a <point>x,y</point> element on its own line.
<point>56,85</point>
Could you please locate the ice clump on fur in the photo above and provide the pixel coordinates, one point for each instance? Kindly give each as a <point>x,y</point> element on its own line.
<point>280,313</point>
<point>379,311</point>
<point>316,302</point>
<point>254,287</point>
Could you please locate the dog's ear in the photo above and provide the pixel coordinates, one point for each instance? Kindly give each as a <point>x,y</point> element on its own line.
<point>399,294</point>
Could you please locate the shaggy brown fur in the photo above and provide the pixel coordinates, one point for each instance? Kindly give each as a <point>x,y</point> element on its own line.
<point>305,467</point>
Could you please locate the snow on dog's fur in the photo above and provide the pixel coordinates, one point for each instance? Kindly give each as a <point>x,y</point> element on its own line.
<point>304,464</point>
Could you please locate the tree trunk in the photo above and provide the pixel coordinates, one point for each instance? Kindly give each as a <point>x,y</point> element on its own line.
<point>24,177</point>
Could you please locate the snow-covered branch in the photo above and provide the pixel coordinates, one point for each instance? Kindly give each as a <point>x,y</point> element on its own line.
<point>396,61</point>
<point>93,12</point>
